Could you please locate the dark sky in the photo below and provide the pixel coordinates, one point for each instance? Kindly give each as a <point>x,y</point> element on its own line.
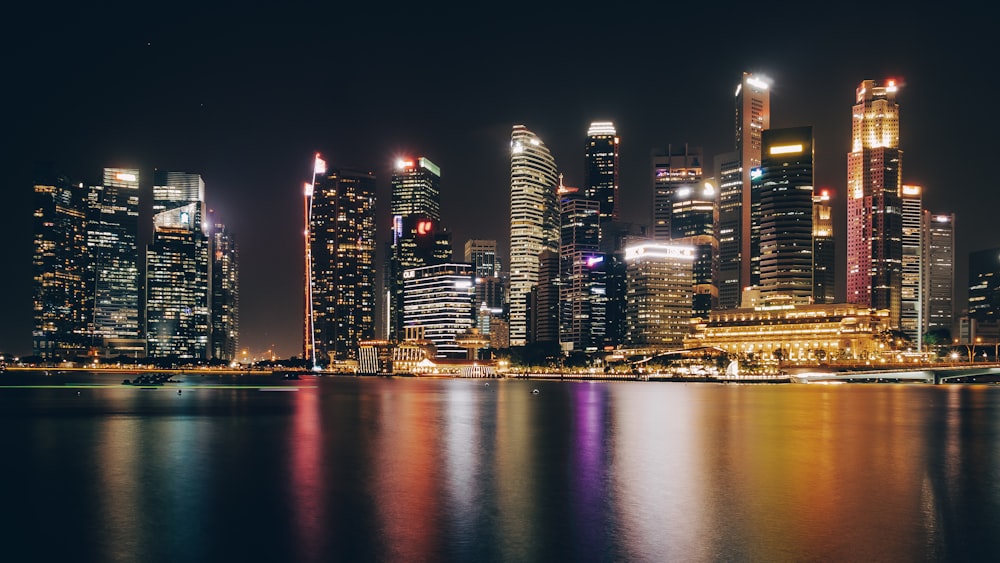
<point>244,94</point>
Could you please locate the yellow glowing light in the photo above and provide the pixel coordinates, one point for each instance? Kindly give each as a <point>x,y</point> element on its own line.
<point>911,190</point>
<point>125,177</point>
<point>786,149</point>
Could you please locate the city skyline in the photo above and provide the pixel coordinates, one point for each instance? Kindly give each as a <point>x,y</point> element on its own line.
<point>247,121</point>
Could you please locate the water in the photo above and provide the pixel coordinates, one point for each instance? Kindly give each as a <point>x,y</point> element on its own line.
<point>375,469</point>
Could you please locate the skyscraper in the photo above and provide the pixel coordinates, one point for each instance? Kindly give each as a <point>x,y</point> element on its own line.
<point>874,207</point>
<point>582,292</point>
<point>753,116</point>
<point>341,259</point>
<point>659,294</point>
<point>939,270</point>
<point>112,234</point>
<point>912,291</point>
<point>225,292</point>
<point>984,286</point>
<point>62,299</point>
<point>685,212</point>
<point>824,250</point>
<point>782,212</point>
<point>601,169</point>
<point>178,280</point>
<point>418,238</point>
<point>438,304</point>
<point>482,254</point>
<point>534,221</point>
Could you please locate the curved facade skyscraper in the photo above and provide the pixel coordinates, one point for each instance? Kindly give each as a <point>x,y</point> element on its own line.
<point>534,221</point>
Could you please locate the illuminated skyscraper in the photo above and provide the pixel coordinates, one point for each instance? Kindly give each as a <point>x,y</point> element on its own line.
<point>939,270</point>
<point>418,238</point>
<point>225,292</point>
<point>659,294</point>
<point>177,269</point>
<point>582,290</point>
<point>534,221</point>
<point>482,254</point>
<point>601,169</point>
<point>112,233</point>
<point>753,116</point>
<point>781,217</point>
<point>824,250</point>
<point>416,188</point>
<point>341,257</point>
<point>913,305</point>
<point>874,206</point>
<point>62,299</point>
<point>438,304</point>
<point>685,212</point>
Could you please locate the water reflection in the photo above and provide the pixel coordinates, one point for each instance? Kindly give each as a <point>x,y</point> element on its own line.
<point>455,470</point>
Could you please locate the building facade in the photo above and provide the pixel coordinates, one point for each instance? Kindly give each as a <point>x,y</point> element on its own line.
<point>178,279</point>
<point>341,239</point>
<point>781,216</point>
<point>874,206</point>
<point>112,240</point>
<point>824,250</point>
<point>601,169</point>
<point>582,291</point>
<point>939,270</point>
<point>438,304</point>
<point>534,221</point>
<point>752,117</point>
<point>225,300</point>
<point>62,300</point>
<point>912,297</point>
<point>658,304</point>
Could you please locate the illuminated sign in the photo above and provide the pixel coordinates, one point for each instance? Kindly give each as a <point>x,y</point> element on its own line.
<point>319,165</point>
<point>594,260</point>
<point>942,219</point>
<point>786,149</point>
<point>185,218</point>
<point>125,177</point>
<point>756,173</point>
<point>911,190</point>
<point>424,227</point>
<point>309,189</point>
<point>407,274</point>
<point>659,251</point>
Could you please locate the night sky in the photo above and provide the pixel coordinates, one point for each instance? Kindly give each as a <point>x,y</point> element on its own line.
<point>245,95</point>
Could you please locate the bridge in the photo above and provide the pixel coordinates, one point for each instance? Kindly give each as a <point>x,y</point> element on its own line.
<point>936,376</point>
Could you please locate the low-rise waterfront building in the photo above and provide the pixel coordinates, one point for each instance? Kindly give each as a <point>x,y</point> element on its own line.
<point>819,332</point>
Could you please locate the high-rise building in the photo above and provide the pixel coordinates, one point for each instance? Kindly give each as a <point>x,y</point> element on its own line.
<point>824,250</point>
<point>418,239</point>
<point>913,295</point>
<point>178,279</point>
<point>582,291</point>
<point>482,254</point>
<point>781,217</point>
<point>753,116</point>
<point>685,212</point>
<point>438,303</point>
<point>543,301</point>
<point>674,169</point>
<point>601,169</point>
<point>659,294</point>
<point>112,235</point>
<point>62,300</point>
<point>874,207</point>
<point>416,188</point>
<point>534,221</point>
<point>341,262</point>
<point>939,270</point>
<point>225,292</point>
